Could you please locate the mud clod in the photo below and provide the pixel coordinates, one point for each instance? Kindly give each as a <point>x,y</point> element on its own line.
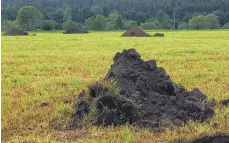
<point>15,32</point>
<point>135,32</point>
<point>158,35</point>
<point>225,102</point>
<point>44,104</point>
<point>138,92</point>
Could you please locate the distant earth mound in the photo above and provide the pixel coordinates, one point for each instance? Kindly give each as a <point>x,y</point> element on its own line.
<point>135,32</point>
<point>140,93</point>
<point>15,32</point>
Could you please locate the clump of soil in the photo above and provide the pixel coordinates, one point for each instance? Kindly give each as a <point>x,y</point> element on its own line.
<point>136,32</point>
<point>224,102</point>
<point>15,32</point>
<point>138,92</point>
<point>103,105</point>
<point>158,35</point>
<point>211,139</point>
<point>75,31</point>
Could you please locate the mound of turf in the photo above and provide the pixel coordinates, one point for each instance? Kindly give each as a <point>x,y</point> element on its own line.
<point>138,92</point>
<point>75,31</point>
<point>15,32</point>
<point>135,32</point>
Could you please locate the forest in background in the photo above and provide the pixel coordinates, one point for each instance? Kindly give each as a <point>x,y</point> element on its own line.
<point>122,14</point>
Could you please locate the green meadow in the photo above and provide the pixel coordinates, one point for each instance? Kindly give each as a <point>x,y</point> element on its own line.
<point>53,67</point>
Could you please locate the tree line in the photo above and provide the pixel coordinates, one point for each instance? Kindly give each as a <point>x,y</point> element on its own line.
<point>119,14</point>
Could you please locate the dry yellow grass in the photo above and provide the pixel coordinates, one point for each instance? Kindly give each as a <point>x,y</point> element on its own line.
<point>54,67</point>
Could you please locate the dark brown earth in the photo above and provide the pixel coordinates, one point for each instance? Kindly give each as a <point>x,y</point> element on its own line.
<point>75,31</point>
<point>15,32</point>
<point>141,93</point>
<point>158,35</point>
<point>224,102</point>
<point>210,139</point>
<point>136,32</point>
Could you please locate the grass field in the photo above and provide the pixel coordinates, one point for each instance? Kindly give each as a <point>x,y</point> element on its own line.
<point>53,67</point>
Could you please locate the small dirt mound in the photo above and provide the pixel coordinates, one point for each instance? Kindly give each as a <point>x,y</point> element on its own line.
<point>76,31</point>
<point>15,32</point>
<point>135,32</point>
<point>158,35</point>
<point>138,92</point>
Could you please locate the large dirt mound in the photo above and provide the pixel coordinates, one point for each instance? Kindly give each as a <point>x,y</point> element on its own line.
<point>15,32</point>
<point>139,92</point>
<point>75,31</point>
<point>136,32</point>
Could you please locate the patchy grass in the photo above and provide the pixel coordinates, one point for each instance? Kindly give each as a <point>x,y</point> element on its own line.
<point>54,67</point>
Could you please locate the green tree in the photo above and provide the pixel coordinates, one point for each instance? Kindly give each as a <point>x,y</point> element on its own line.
<point>166,25</point>
<point>129,14</point>
<point>80,15</point>
<point>213,21</point>
<point>210,21</point>
<point>160,15</point>
<point>47,25</point>
<point>194,22</point>
<point>158,23</point>
<point>149,25</point>
<point>29,17</point>
<point>66,12</point>
<point>97,10</point>
<point>221,15</point>
<point>183,26</point>
<point>96,23</point>
<point>140,17</point>
<point>114,21</point>
<point>129,23</point>
<point>225,26</point>
<point>57,16</point>
<point>141,11</point>
<point>109,25</point>
<point>6,25</point>
<point>119,22</point>
<point>164,20</point>
<point>70,26</point>
<point>9,13</point>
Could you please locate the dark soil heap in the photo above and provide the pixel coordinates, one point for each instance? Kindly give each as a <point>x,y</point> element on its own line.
<point>75,31</point>
<point>15,32</point>
<point>138,92</point>
<point>136,32</point>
